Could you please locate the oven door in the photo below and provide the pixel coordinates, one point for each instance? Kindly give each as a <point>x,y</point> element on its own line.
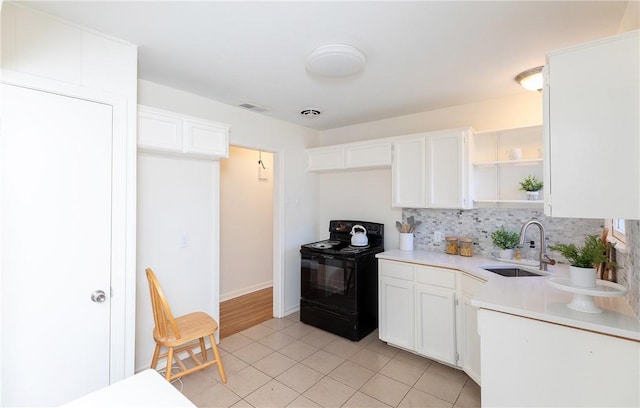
<point>328,280</point>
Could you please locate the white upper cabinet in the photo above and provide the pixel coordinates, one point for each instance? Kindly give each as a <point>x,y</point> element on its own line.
<point>325,158</point>
<point>592,131</point>
<point>431,170</point>
<point>369,154</point>
<point>358,155</point>
<point>168,132</point>
<point>448,169</point>
<point>71,54</point>
<point>408,172</point>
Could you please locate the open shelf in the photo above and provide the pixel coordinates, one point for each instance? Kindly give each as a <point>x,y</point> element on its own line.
<point>496,177</point>
<point>511,201</point>
<point>508,162</point>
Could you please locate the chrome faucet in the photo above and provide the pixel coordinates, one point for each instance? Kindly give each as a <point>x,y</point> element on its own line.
<point>544,258</point>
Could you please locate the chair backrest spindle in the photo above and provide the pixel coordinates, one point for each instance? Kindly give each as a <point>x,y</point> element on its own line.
<point>162,316</point>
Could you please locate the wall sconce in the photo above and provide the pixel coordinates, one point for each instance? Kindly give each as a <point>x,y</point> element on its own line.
<point>531,79</point>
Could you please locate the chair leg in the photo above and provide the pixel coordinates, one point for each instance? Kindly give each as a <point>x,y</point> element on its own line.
<point>156,353</point>
<point>203,349</point>
<point>169,363</point>
<point>216,354</point>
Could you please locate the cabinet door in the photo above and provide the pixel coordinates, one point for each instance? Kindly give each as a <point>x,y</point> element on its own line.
<point>435,323</point>
<point>396,312</point>
<point>325,159</point>
<point>447,170</point>
<point>159,132</point>
<point>376,154</point>
<point>408,172</point>
<point>468,339</point>
<point>206,139</point>
<point>592,128</point>
<point>562,362</point>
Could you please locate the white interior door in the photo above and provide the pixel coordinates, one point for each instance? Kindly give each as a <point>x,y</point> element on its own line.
<point>55,219</point>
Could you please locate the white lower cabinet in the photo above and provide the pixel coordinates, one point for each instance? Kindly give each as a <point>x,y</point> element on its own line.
<point>419,312</point>
<point>469,339</point>
<point>397,305</point>
<point>435,323</point>
<point>531,363</point>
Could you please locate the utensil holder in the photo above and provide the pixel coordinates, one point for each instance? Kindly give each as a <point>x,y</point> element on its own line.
<point>406,241</point>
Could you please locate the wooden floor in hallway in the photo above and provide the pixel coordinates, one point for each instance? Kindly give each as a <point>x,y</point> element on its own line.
<point>245,311</point>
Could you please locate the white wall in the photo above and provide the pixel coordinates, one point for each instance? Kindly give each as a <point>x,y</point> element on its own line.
<point>366,195</point>
<point>523,109</point>
<point>294,190</point>
<point>363,195</point>
<point>177,217</point>
<point>246,223</point>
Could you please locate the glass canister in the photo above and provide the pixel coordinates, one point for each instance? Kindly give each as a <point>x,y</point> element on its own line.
<point>451,246</point>
<point>466,246</point>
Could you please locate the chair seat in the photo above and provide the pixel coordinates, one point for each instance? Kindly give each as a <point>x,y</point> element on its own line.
<point>191,326</point>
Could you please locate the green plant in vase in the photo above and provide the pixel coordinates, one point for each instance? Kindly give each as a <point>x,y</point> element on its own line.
<point>506,241</point>
<point>585,259</point>
<point>532,186</point>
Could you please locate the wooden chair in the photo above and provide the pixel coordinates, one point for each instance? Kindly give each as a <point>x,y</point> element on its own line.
<point>180,334</point>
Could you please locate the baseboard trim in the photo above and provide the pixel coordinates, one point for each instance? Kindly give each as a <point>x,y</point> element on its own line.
<point>245,291</point>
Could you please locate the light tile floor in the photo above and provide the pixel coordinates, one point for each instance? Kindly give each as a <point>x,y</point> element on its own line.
<point>285,363</point>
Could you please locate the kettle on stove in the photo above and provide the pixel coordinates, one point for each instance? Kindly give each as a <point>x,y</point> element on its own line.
<point>359,238</point>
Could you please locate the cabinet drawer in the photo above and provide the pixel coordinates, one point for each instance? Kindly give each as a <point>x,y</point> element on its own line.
<point>436,276</point>
<point>471,285</point>
<point>399,270</point>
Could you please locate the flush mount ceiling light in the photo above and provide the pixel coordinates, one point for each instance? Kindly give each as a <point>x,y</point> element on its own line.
<point>335,60</point>
<point>531,79</point>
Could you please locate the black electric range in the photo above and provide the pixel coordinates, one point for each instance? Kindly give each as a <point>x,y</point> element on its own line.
<point>339,281</point>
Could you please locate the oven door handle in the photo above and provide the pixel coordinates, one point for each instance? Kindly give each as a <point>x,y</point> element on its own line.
<point>328,256</point>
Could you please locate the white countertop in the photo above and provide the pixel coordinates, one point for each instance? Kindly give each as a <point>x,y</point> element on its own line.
<point>531,297</point>
<point>145,389</point>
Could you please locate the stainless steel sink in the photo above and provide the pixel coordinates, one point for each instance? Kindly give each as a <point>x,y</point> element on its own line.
<point>511,272</point>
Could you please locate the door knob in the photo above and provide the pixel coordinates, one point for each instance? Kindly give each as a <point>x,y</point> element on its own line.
<point>98,296</point>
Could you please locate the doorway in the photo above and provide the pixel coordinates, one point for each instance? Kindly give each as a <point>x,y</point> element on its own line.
<point>246,239</point>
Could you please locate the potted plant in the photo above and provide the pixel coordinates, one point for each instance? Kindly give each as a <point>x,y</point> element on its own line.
<point>585,260</point>
<point>506,241</point>
<point>532,186</point>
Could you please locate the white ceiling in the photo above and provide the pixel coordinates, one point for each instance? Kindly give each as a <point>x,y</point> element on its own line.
<point>420,55</point>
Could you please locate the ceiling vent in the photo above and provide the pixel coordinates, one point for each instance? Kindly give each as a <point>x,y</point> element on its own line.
<point>310,112</point>
<point>251,107</point>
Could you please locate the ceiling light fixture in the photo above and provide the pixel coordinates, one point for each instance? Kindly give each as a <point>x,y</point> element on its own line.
<point>531,79</point>
<point>336,61</point>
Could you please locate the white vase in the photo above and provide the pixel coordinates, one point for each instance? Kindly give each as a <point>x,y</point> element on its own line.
<point>582,277</point>
<point>532,195</point>
<point>506,253</point>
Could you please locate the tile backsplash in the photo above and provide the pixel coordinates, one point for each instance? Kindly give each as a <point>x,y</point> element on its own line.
<point>479,223</point>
